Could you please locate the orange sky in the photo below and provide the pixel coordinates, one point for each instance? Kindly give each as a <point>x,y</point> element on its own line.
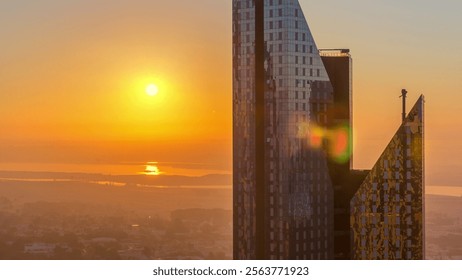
<point>77,79</point>
<point>73,77</point>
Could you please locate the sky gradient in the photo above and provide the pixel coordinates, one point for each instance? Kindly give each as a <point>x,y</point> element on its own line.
<point>73,75</point>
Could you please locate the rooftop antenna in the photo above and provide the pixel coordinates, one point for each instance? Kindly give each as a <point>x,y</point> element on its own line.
<point>404,95</point>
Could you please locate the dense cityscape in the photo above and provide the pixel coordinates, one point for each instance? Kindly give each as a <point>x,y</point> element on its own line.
<point>49,221</point>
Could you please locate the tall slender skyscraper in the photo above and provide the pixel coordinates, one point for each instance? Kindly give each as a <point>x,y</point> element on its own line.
<point>298,96</point>
<point>345,181</point>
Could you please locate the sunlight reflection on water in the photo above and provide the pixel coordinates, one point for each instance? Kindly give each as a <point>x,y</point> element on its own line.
<point>129,168</point>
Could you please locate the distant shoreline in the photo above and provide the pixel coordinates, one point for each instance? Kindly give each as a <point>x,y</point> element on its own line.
<point>136,180</point>
<point>223,181</point>
<point>453,191</point>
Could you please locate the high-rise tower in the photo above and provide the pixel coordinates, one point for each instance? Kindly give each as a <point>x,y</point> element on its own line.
<point>345,181</point>
<point>387,212</point>
<point>298,195</point>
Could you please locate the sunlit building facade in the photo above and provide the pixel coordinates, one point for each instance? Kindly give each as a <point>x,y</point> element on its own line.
<point>387,212</point>
<point>298,98</point>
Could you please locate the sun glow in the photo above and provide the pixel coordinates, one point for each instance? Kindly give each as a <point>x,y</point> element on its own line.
<point>152,170</point>
<point>152,90</point>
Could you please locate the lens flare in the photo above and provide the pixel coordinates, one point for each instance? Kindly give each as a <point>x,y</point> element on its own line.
<point>340,146</point>
<point>337,141</point>
<point>317,134</point>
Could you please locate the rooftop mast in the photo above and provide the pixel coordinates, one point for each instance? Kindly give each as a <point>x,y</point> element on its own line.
<point>404,95</point>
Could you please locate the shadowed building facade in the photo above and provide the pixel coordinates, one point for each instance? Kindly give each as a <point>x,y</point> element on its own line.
<point>338,64</point>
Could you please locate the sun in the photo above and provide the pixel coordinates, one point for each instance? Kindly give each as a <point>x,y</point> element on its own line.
<point>152,90</point>
<point>152,170</point>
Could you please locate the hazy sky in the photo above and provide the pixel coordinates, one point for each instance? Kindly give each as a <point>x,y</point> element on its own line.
<point>73,75</point>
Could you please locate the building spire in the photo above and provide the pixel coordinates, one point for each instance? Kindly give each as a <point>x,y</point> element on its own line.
<point>404,95</point>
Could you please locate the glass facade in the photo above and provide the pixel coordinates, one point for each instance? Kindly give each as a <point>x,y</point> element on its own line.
<point>387,212</point>
<point>315,205</point>
<point>298,99</point>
